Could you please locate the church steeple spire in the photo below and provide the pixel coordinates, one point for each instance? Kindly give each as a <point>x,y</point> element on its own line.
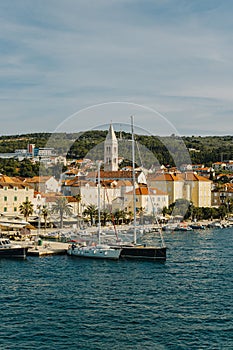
<point>111,151</point>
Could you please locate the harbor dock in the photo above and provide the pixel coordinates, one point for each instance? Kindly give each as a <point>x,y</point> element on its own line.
<point>48,248</point>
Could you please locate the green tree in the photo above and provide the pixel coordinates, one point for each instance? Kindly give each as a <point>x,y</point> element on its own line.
<point>45,213</point>
<point>26,209</point>
<point>91,211</point>
<point>222,211</point>
<point>119,216</point>
<point>78,198</point>
<point>62,207</point>
<point>181,207</point>
<point>105,216</point>
<point>129,216</point>
<point>141,212</point>
<point>28,169</point>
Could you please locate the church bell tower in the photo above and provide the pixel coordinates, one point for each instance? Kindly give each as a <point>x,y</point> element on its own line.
<point>111,151</point>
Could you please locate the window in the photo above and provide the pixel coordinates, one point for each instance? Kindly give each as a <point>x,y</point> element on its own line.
<point>5,188</point>
<point>5,199</point>
<point>26,198</point>
<point>15,188</point>
<point>15,198</point>
<point>5,209</point>
<point>26,188</point>
<point>15,208</point>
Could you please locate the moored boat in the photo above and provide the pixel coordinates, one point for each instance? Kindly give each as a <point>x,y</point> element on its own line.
<point>11,250</point>
<point>98,251</point>
<point>137,251</point>
<point>183,227</point>
<point>95,250</point>
<point>143,252</point>
<point>197,226</point>
<point>215,224</point>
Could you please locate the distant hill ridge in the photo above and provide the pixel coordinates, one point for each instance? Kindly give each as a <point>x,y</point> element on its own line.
<point>202,149</point>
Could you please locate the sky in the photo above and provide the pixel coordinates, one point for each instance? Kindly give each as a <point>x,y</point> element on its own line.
<point>78,64</point>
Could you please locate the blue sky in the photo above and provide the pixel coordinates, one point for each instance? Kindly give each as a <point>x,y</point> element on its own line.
<point>60,57</point>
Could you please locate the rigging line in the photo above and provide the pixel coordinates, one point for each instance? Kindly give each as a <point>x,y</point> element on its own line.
<point>152,203</point>
<point>139,154</point>
<point>111,213</point>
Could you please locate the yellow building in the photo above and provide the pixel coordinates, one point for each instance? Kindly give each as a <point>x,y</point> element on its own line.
<point>188,185</point>
<point>13,192</point>
<point>197,189</point>
<point>170,183</point>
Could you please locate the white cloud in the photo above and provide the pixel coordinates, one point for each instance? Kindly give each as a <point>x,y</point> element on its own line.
<point>58,57</point>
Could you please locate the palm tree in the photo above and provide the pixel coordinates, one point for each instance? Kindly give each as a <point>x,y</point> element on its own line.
<point>78,198</point>
<point>119,215</point>
<point>45,213</point>
<point>91,211</point>
<point>141,212</point>
<point>105,216</point>
<point>62,207</point>
<point>26,208</point>
<point>129,216</point>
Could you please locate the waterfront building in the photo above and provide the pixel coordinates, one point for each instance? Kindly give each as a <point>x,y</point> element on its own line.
<point>188,185</point>
<point>222,195</point>
<point>170,183</point>
<point>13,192</point>
<point>44,184</point>
<point>149,200</point>
<point>197,189</point>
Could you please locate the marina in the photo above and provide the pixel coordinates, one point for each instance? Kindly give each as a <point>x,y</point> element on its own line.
<point>69,241</point>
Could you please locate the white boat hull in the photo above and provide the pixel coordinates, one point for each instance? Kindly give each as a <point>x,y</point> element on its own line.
<point>96,252</point>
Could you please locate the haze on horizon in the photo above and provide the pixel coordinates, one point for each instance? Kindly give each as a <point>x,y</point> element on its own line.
<point>169,62</point>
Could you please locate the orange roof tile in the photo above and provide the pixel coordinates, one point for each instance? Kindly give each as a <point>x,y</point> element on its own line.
<point>167,177</point>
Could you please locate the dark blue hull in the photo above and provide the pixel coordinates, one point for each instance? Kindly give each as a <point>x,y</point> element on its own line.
<point>145,253</point>
<point>19,252</point>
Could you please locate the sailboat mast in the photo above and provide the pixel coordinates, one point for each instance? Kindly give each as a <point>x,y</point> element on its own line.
<point>99,222</point>
<point>134,192</point>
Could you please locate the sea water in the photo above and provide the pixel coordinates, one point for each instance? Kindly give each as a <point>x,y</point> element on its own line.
<point>62,302</point>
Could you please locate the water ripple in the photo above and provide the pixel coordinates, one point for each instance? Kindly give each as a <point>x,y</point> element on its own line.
<point>67,303</point>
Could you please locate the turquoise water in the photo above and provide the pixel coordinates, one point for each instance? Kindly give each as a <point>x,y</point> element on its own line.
<point>63,302</point>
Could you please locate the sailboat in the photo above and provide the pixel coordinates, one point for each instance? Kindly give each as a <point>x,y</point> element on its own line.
<point>96,251</point>
<point>139,251</point>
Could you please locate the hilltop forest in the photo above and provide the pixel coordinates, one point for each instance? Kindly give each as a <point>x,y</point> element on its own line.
<point>200,149</point>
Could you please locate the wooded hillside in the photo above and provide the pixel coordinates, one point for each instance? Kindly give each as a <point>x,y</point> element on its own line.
<point>202,149</point>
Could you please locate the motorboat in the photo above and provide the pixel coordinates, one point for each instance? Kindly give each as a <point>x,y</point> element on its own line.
<point>12,250</point>
<point>215,224</point>
<point>197,226</point>
<point>183,227</point>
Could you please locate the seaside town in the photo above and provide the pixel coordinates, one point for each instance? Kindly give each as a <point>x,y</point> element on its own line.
<point>43,207</point>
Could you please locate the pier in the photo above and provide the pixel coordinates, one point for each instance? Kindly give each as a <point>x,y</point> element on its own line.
<point>48,248</point>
